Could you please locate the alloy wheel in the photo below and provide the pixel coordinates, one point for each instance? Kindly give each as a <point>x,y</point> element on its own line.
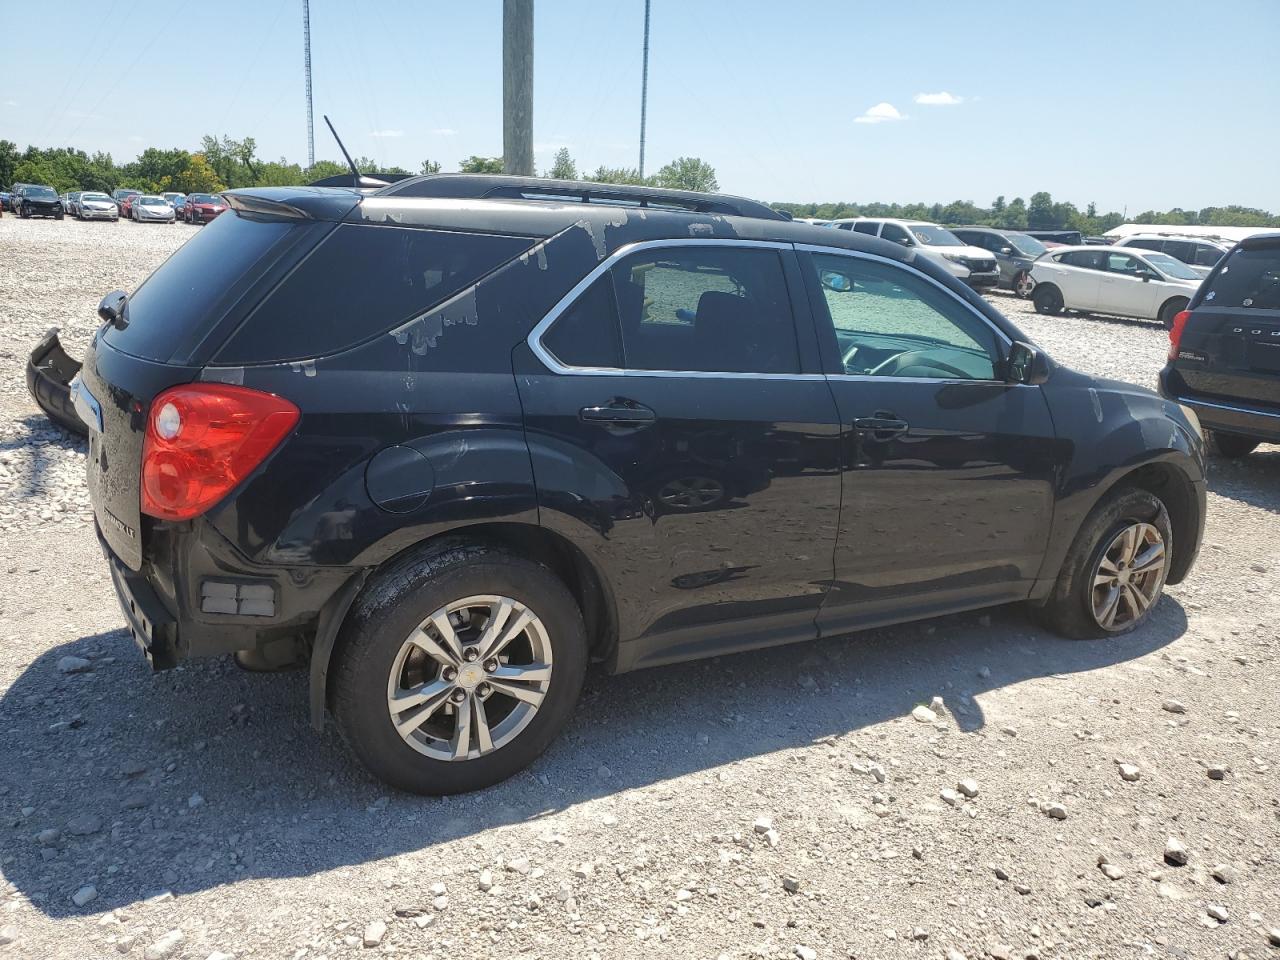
<point>470,678</point>
<point>1023,284</point>
<point>691,493</point>
<point>1129,576</point>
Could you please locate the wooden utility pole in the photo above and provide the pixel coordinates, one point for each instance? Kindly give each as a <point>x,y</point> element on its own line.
<point>517,87</point>
<point>644,85</point>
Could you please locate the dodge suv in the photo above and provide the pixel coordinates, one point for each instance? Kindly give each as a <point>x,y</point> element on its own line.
<point>445,442</point>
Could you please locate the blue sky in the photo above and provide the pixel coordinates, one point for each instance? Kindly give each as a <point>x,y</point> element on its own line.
<point>1124,103</point>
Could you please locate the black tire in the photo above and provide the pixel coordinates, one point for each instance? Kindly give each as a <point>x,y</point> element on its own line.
<point>1229,446</point>
<point>1022,285</point>
<point>1170,309</point>
<point>1069,609</point>
<point>58,215</point>
<point>1047,299</point>
<point>392,605</point>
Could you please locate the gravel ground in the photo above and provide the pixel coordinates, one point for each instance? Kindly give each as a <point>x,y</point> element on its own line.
<point>1059,799</point>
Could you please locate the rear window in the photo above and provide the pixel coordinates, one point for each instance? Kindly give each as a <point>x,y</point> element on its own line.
<point>185,293</point>
<point>362,281</point>
<point>1249,279</point>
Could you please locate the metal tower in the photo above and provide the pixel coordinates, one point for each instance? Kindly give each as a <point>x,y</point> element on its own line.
<point>306,60</point>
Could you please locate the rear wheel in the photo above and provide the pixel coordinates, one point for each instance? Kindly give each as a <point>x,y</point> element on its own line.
<point>1023,284</point>
<point>1170,310</point>
<point>1230,446</point>
<point>456,668</point>
<point>1115,571</point>
<point>1047,299</point>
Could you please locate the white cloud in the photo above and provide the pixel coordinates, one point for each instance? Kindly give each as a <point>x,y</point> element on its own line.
<point>941,99</point>
<point>11,103</point>
<point>880,113</point>
<point>445,132</point>
<point>387,133</point>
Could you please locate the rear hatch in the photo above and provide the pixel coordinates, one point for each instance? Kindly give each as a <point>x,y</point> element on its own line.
<point>172,324</point>
<point>1230,348</point>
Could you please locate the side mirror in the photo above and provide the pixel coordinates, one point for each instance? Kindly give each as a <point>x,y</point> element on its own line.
<point>111,309</point>
<point>1007,251</point>
<point>1026,365</point>
<point>905,242</point>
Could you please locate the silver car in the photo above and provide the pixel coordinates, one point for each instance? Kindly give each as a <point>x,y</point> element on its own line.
<point>149,207</point>
<point>96,206</point>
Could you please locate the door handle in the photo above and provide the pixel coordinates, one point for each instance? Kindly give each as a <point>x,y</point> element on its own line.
<point>882,428</point>
<point>619,412</point>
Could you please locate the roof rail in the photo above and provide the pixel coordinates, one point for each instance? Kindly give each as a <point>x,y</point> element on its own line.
<point>494,187</point>
<point>375,180</point>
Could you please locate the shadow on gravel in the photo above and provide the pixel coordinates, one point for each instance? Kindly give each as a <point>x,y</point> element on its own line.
<point>1253,480</point>
<point>205,776</point>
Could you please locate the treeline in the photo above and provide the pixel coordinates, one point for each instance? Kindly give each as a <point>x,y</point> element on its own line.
<point>223,163</point>
<point>1041,213</point>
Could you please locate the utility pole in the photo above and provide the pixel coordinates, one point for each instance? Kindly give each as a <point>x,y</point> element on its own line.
<point>517,87</point>
<point>306,60</point>
<point>644,85</point>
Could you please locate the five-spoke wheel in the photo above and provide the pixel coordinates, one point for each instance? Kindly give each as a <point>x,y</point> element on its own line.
<point>1129,576</point>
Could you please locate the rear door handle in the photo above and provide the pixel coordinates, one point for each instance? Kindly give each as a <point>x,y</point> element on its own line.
<point>881,427</point>
<point>619,412</point>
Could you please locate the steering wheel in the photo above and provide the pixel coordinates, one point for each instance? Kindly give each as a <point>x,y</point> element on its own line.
<point>905,359</point>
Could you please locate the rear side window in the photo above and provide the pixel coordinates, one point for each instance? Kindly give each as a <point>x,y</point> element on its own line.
<point>178,302</point>
<point>1249,279</point>
<point>864,227</point>
<point>362,281</point>
<point>1145,244</point>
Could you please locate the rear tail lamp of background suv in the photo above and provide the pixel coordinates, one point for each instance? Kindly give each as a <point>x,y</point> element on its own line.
<point>202,440</point>
<point>1175,332</point>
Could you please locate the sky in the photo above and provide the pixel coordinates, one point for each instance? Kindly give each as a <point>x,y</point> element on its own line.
<point>1132,105</point>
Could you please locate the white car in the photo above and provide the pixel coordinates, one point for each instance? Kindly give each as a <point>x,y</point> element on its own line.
<point>1199,253</point>
<point>150,209</point>
<point>97,206</point>
<point>973,265</point>
<point>1124,281</point>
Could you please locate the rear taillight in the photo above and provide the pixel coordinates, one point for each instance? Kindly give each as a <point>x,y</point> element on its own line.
<point>204,438</point>
<point>1175,333</point>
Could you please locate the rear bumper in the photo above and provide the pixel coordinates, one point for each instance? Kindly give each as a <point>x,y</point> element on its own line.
<point>49,373</point>
<point>1227,416</point>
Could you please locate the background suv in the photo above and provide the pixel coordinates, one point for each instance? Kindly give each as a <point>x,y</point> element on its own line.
<point>1014,252</point>
<point>35,200</point>
<point>1199,253</point>
<point>1126,282</point>
<point>445,442</point>
<point>974,265</point>
<point>1224,350</point>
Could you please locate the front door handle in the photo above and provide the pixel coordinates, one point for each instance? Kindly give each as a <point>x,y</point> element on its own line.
<point>619,412</point>
<point>881,428</point>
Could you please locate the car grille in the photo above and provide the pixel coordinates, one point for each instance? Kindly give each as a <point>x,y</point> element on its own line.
<point>980,266</point>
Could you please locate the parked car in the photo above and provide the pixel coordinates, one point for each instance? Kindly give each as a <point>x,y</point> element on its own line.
<point>4,200</point>
<point>36,200</point>
<point>1224,350</point>
<point>417,446</point>
<point>126,204</point>
<point>172,199</point>
<point>1014,252</point>
<point>1125,282</point>
<point>97,206</point>
<point>149,208</point>
<point>1066,238</point>
<point>202,207</point>
<point>973,265</point>
<point>1199,253</point>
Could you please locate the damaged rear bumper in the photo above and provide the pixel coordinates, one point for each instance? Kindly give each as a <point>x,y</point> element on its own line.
<point>49,374</point>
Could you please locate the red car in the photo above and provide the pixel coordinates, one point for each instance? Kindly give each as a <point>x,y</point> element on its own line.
<point>126,205</point>
<point>202,207</point>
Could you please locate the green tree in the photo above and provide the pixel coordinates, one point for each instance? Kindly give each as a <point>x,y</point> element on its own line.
<point>1040,214</point>
<point>198,177</point>
<point>1015,215</point>
<point>687,173</point>
<point>9,158</point>
<point>325,168</point>
<point>429,167</point>
<point>563,167</point>
<point>621,175</point>
<point>475,164</point>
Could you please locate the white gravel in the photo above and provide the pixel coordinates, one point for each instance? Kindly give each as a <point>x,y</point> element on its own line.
<point>777,804</point>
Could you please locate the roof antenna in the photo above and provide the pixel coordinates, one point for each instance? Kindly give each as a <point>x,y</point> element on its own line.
<point>356,179</point>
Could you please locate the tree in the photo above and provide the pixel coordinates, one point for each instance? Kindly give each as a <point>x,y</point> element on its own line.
<point>563,167</point>
<point>198,177</point>
<point>1015,215</point>
<point>325,168</point>
<point>1040,212</point>
<point>687,173</point>
<point>8,162</point>
<point>475,164</point>
<point>429,167</point>
<point>620,175</point>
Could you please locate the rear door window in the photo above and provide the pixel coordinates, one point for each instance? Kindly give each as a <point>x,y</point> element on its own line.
<point>586,334</point>
<point>362,281</point>
<point>863,226</point>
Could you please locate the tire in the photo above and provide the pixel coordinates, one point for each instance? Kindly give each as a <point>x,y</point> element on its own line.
<point>1070,608</point>
<point>1022,284</point>
<point>1170,308</point>
<point>58,216</point>
<point>374,657</point>
<point>1047,299</point>
<point>1229,446</point>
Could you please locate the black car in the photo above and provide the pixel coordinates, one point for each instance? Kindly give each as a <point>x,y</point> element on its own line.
<point>1014,252</point>
<point>1224,349</point>
<point>35,200</point>
<point>446,442</point>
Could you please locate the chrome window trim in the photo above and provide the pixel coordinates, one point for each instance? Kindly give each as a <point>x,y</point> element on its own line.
<point>555,366</point>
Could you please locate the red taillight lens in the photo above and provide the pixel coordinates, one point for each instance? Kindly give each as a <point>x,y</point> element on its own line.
<point>1175,332</point>
<point>202,440</point>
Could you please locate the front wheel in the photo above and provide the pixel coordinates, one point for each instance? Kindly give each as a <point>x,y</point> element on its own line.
<point>1023,284</point>
<point>457,667</point>
<point>1047,300</point>
<point>1114,574</point>
<point>1229,446</point>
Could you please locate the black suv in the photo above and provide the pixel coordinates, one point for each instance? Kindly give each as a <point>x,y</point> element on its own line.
<point>35,200</point>
<point>1224,349</point>
<point>450,440</point>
